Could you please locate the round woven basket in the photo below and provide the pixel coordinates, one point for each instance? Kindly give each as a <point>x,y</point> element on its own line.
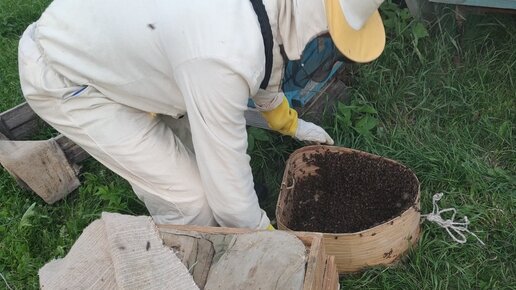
<point>380,245</point>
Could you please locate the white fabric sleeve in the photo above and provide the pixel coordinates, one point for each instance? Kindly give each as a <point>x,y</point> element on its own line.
<point>216,98</point>
<point>266,100</point>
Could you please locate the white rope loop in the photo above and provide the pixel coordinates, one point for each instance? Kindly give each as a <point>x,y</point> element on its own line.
<point>455,229</point>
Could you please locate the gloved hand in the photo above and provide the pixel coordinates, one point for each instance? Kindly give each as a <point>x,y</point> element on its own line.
<point>310,132</point>
<point>284,119</point>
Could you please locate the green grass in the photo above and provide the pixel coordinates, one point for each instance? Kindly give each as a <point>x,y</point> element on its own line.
<point>15,16</point>
<point>452,122</point>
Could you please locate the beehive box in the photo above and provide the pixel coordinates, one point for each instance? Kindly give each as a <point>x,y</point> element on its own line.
<point>361,242</point>
<point>320,271</point>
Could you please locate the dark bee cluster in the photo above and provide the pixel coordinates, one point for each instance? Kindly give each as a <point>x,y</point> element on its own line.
<point>350,192</point>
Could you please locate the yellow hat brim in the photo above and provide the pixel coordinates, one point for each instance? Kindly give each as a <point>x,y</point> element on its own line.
<point>362,45</point>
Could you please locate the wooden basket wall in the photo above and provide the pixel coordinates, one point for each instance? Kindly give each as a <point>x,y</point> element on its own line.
<point>321,271</point>
<point>380,245</point>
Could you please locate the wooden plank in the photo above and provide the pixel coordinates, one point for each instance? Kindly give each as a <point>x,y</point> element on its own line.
<point>18,115</point>
<point>321,266</point>
<point>305,237</point>
<point>42,166</point>
<point>500,4</point>
<point>195,252</point>
<point>315,266</point>
<point>19,122</point>
<point>462,10</point>
<point>26,130</point>
<point>73,152</point>
<point>310,283</point>
<point>207,230</point>
<point>4,129</point>
<point>331,277</point>
<point>324,103</point>
<point>420,9</point>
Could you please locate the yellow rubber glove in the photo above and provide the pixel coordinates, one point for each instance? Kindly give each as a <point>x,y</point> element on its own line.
<point>283,119</point>
<point>270,228</point>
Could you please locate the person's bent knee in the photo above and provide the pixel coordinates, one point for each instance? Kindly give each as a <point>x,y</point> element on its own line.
<point>165,211</point>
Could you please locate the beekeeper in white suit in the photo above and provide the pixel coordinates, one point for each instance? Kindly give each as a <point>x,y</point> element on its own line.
<point>156,90</point>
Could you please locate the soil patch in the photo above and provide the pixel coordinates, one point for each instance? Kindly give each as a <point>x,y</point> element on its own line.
<point>349,193</point>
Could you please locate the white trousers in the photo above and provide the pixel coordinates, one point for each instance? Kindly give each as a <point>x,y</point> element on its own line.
<point>155,154</point>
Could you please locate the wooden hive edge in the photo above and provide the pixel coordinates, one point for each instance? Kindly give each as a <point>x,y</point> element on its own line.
<point>314,243</point>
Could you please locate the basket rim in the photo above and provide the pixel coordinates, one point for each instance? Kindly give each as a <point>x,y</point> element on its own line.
<point>345,150</point>
<point>414,208</point>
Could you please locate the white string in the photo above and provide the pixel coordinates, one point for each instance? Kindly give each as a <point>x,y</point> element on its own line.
<point>455,229</point>
<point>6,284</point>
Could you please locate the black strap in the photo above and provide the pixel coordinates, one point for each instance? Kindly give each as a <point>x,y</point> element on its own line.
<point>268,41</point>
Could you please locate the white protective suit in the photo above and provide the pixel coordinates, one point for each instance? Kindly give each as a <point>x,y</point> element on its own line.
<point>95,69</point>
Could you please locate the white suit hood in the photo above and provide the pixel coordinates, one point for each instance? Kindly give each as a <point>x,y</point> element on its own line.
<point>300,21</point>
